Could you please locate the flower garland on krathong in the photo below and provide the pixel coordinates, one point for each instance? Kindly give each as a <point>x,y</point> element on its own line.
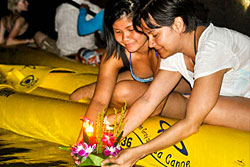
<point>100,143</point>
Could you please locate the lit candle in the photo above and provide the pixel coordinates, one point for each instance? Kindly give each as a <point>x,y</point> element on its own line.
<point>245,3</point>
<point>88,128</point>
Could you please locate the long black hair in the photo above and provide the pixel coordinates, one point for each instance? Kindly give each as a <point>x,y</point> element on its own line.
<point>114,10</point>
<point>164,12</point>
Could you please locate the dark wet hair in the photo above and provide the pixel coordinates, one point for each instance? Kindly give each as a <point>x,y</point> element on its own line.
<point>114,10</point>
<point>164,12</point>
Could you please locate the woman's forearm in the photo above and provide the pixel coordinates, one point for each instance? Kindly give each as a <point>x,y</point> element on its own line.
<point>198,108</point>
<point>17,41</point>
<point>147,103</point>
<point>86,27</point>
<point>94,109</point>
<point>104,89</point>
<point>136,116</point>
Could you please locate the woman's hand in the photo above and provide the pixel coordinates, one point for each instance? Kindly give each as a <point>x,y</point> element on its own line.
<point>84,6</point>
<point>80,137</point>
<point>28,41</point>
<point>125,158</point>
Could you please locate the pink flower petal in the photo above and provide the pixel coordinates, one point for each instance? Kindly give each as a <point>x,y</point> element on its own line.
<point>86,155</point>
<point>81,152</point>
<point>74,150</point>
<point>94,146</point>
<point>107,152</point>
<point>77,162</point>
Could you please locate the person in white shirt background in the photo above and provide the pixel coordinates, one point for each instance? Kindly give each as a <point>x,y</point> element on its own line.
<point>68,40</point>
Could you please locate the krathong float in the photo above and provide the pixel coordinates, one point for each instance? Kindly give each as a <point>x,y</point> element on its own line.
<point>100,142</point>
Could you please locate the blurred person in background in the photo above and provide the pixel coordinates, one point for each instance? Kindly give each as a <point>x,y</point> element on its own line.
<point>69,41</point>
<point>15,30</point>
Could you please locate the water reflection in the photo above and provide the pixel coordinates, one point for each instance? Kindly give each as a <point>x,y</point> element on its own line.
<point>21,151</point>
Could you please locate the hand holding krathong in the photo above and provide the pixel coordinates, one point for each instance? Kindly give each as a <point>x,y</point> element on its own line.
<point>98,143</point>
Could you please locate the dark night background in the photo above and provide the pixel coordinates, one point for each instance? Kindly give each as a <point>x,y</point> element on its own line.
<point>41,13</point>
<point>228,13</point>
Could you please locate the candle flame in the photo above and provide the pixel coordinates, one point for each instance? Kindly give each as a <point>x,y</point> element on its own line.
<point>89,129</point>
<point>245,3</point>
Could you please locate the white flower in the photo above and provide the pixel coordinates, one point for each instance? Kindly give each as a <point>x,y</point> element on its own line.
<point>107,123</point>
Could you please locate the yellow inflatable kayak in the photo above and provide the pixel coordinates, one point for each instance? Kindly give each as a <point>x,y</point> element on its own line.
<point>26,78</point>
<point>42,110</point>
<point>58,121</point>
<point>39,117</point>
<point>22,55</point>
<point>212,147</point>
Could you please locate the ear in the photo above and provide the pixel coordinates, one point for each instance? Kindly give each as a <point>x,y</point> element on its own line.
<point>178,25</point>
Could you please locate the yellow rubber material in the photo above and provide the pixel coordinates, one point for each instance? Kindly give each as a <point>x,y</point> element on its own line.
<point>212,146</point>
<point>67,82</point>
<point>22,55</point>
<point>39,117</point>
<point>38,107</point>
<point>23,78</point>
<point>58,121</point>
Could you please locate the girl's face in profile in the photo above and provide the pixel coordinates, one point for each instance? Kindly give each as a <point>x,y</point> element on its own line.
<point>126,36</point>
<point>163,39</point>
<point>22,5</point>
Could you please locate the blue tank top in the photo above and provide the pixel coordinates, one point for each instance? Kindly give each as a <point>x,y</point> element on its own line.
<point>145,80</point>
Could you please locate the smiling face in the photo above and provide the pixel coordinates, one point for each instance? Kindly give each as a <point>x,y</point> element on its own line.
<point>126,36</point>
<point>164,39</point>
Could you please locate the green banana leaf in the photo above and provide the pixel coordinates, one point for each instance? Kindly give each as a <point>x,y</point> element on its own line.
<point>92,160</point>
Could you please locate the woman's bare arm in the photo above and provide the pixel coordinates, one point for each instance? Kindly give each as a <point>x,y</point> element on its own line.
<point>203,98</point>
<point>105,86</point>
<point>2,31</point>
<point>161,86</point>
<point>11,39</point>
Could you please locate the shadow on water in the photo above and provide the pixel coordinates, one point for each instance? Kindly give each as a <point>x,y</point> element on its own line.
<point>49,164</point>
<point>9,151</point>
<point>22,151</point>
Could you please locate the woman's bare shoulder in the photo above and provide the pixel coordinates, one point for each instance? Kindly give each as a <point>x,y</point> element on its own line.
<point>9,21</point>
<point>113,61</point>
<point>20,20</point>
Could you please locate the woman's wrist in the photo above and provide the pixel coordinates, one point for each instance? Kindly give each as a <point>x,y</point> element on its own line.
<point>27,41</point>
<point>140,151</point>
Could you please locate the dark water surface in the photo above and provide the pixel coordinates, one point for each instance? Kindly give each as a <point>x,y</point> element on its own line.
<point>21,151</point>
